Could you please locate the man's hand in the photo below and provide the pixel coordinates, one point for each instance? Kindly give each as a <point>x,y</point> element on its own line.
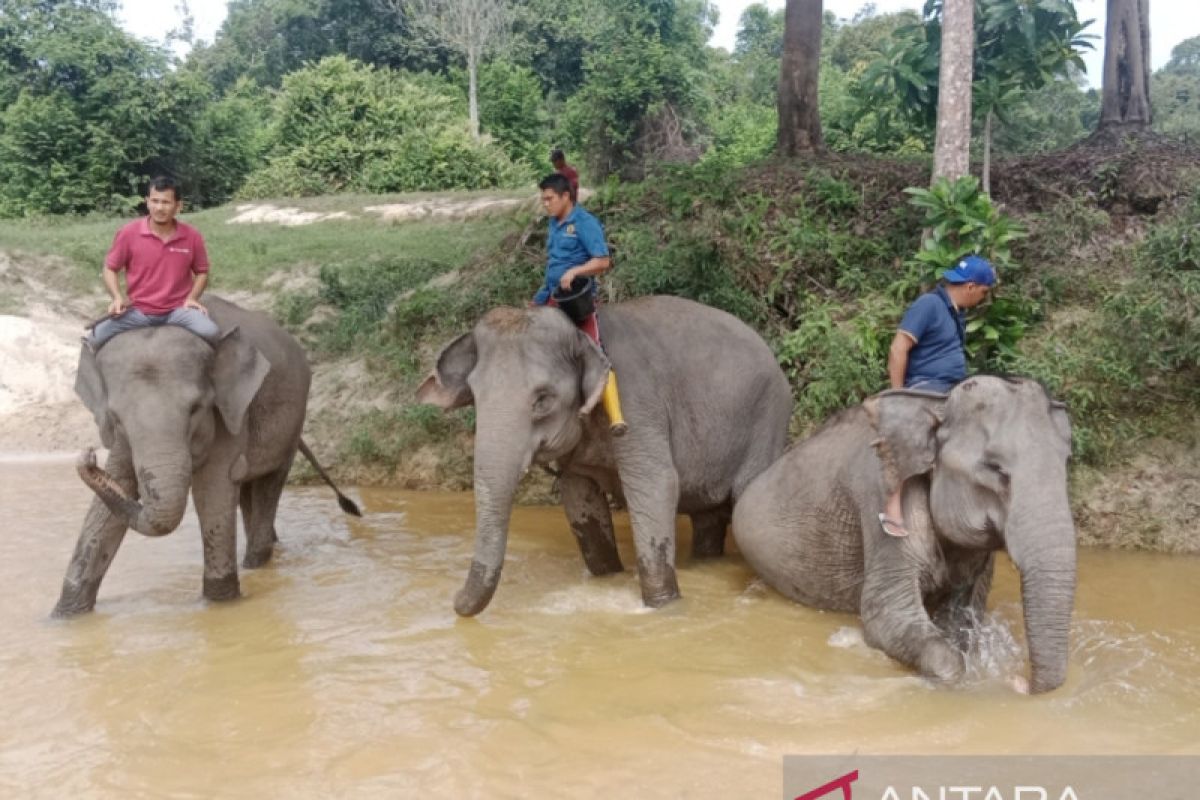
<point>117,307</point>
<point>190,303</point>
<point>567,279</point>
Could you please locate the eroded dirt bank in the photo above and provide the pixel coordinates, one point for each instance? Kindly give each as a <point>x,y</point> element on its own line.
<point>1149,501</point>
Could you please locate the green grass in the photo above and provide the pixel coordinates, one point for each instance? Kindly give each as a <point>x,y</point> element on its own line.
<point>9,302</point>
<point>244,255</point>
<point>365,280</point>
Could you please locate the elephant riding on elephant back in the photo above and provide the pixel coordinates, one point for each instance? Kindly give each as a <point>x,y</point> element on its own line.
<point>707,408</point>
<point>981,469</point>
<point>178,414</point>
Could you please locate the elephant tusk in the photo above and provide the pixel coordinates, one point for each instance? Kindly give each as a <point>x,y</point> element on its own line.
<point>95,477</point>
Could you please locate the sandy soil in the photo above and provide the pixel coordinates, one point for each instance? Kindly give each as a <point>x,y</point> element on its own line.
<point>259,213</point>
<point>434,208</point>
<point>437,208</point>
<point>39,351</point>
<point>447,209</point>
<point>1152,503</point>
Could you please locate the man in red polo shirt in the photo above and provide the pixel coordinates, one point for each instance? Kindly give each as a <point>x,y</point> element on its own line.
<point>166,270</point>
<point>567,171</point>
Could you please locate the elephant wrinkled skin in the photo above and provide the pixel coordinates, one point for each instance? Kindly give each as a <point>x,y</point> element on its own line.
<point>982,469</point>
<point>177,414</point>
<point>706,403</point>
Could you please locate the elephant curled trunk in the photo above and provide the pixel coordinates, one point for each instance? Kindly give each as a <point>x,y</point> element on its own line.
<point>496,479</point>
<point>158,517</point>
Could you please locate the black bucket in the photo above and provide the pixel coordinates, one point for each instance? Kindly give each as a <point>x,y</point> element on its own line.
<point>579,302</point>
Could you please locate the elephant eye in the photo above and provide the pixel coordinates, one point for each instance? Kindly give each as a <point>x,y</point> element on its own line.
<point>543,404</point>
<point>993,467</point>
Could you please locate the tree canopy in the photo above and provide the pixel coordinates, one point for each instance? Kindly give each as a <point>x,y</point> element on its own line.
<point>88,113</point>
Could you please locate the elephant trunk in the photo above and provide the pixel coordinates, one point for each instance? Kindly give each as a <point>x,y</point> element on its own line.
<point>163,482</point>
<point>1042,546</point>
<point>501,458</point>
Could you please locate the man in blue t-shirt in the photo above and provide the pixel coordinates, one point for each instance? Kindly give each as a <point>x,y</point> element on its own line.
<point>576,249</point>
<point>928,352</point>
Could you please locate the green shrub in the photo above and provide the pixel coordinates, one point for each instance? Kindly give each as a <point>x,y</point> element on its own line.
<point>1158,313</point>
<point>362,294</point>
<point>294,308</point>
<point>742,134</point>
<point>381,437</point>
<point>835,355</point>
<point>962,220</point>
<point>690,265</point>
<point>1125,367</point>
<point>512,110</point>
<point>342,126</point>
<point>224,142</point>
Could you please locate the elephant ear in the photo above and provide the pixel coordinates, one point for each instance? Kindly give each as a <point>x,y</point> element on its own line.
<point>89,385</point>
<point>907,424</point>
<point>1061,420</point>
<point>238,372</point>
<point>447,385</point>
<point>593,371</point>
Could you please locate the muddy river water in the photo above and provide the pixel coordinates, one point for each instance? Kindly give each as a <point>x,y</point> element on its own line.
<point>344,671</point>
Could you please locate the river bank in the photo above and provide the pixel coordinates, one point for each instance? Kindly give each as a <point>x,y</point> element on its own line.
<point>373,286</point>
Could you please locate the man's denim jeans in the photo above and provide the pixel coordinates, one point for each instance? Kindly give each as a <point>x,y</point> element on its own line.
<point>195,321</point>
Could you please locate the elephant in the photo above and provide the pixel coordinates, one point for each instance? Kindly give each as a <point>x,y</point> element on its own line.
<point>982,468</point>
<point>179,414</point>
<point>706,404</point>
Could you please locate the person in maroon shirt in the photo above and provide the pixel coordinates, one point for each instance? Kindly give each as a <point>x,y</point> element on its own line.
<point>567,171</point>
<point>166,271</point>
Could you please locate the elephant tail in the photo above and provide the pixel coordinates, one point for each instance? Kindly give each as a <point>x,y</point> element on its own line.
<point>346,503</point>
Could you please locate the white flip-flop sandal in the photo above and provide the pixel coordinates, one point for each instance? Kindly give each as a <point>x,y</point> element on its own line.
<point>886,523</point>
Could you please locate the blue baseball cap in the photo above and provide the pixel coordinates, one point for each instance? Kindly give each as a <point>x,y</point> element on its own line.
<point>971,269</point>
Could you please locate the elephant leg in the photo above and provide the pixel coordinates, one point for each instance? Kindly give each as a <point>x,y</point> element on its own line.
<point>260,501</point>
<point>98,542</point>
<point>651,488</point>
<point>961,612</point>
<point>708,532</point>
<point>901,628</point>
<point>591,523</point>
<point>216,499</point>
<point>893,611</point>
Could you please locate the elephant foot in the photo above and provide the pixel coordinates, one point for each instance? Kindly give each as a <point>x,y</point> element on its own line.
<point>222,589</point>
<point>75,601</point>
<point>708,547</point>
<point>1045,680</point>
<point>602,560</point>
<point>659,585</point>
<point>942,661</point>
<point>66,610</point>
<point>708,534</point>
<point>258,557</point>
<point>592,528</point>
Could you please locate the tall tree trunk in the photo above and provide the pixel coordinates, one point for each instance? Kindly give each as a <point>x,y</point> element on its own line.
<point>473,90</point>
<point>952,147</point>
<point>1125,98</point>
<point>799,113</point>
<point>987,152</point>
